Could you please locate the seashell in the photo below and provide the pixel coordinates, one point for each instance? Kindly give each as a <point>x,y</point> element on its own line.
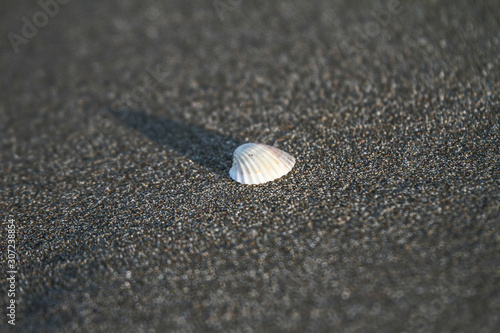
<point>257,163</point>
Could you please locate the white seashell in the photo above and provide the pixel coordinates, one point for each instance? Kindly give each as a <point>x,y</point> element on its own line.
<point>257,163</point>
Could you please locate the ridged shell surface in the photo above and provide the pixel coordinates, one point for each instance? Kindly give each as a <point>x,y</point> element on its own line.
<point>257,163</point>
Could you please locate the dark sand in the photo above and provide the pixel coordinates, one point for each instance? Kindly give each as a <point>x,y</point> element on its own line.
<point>117,125</point>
